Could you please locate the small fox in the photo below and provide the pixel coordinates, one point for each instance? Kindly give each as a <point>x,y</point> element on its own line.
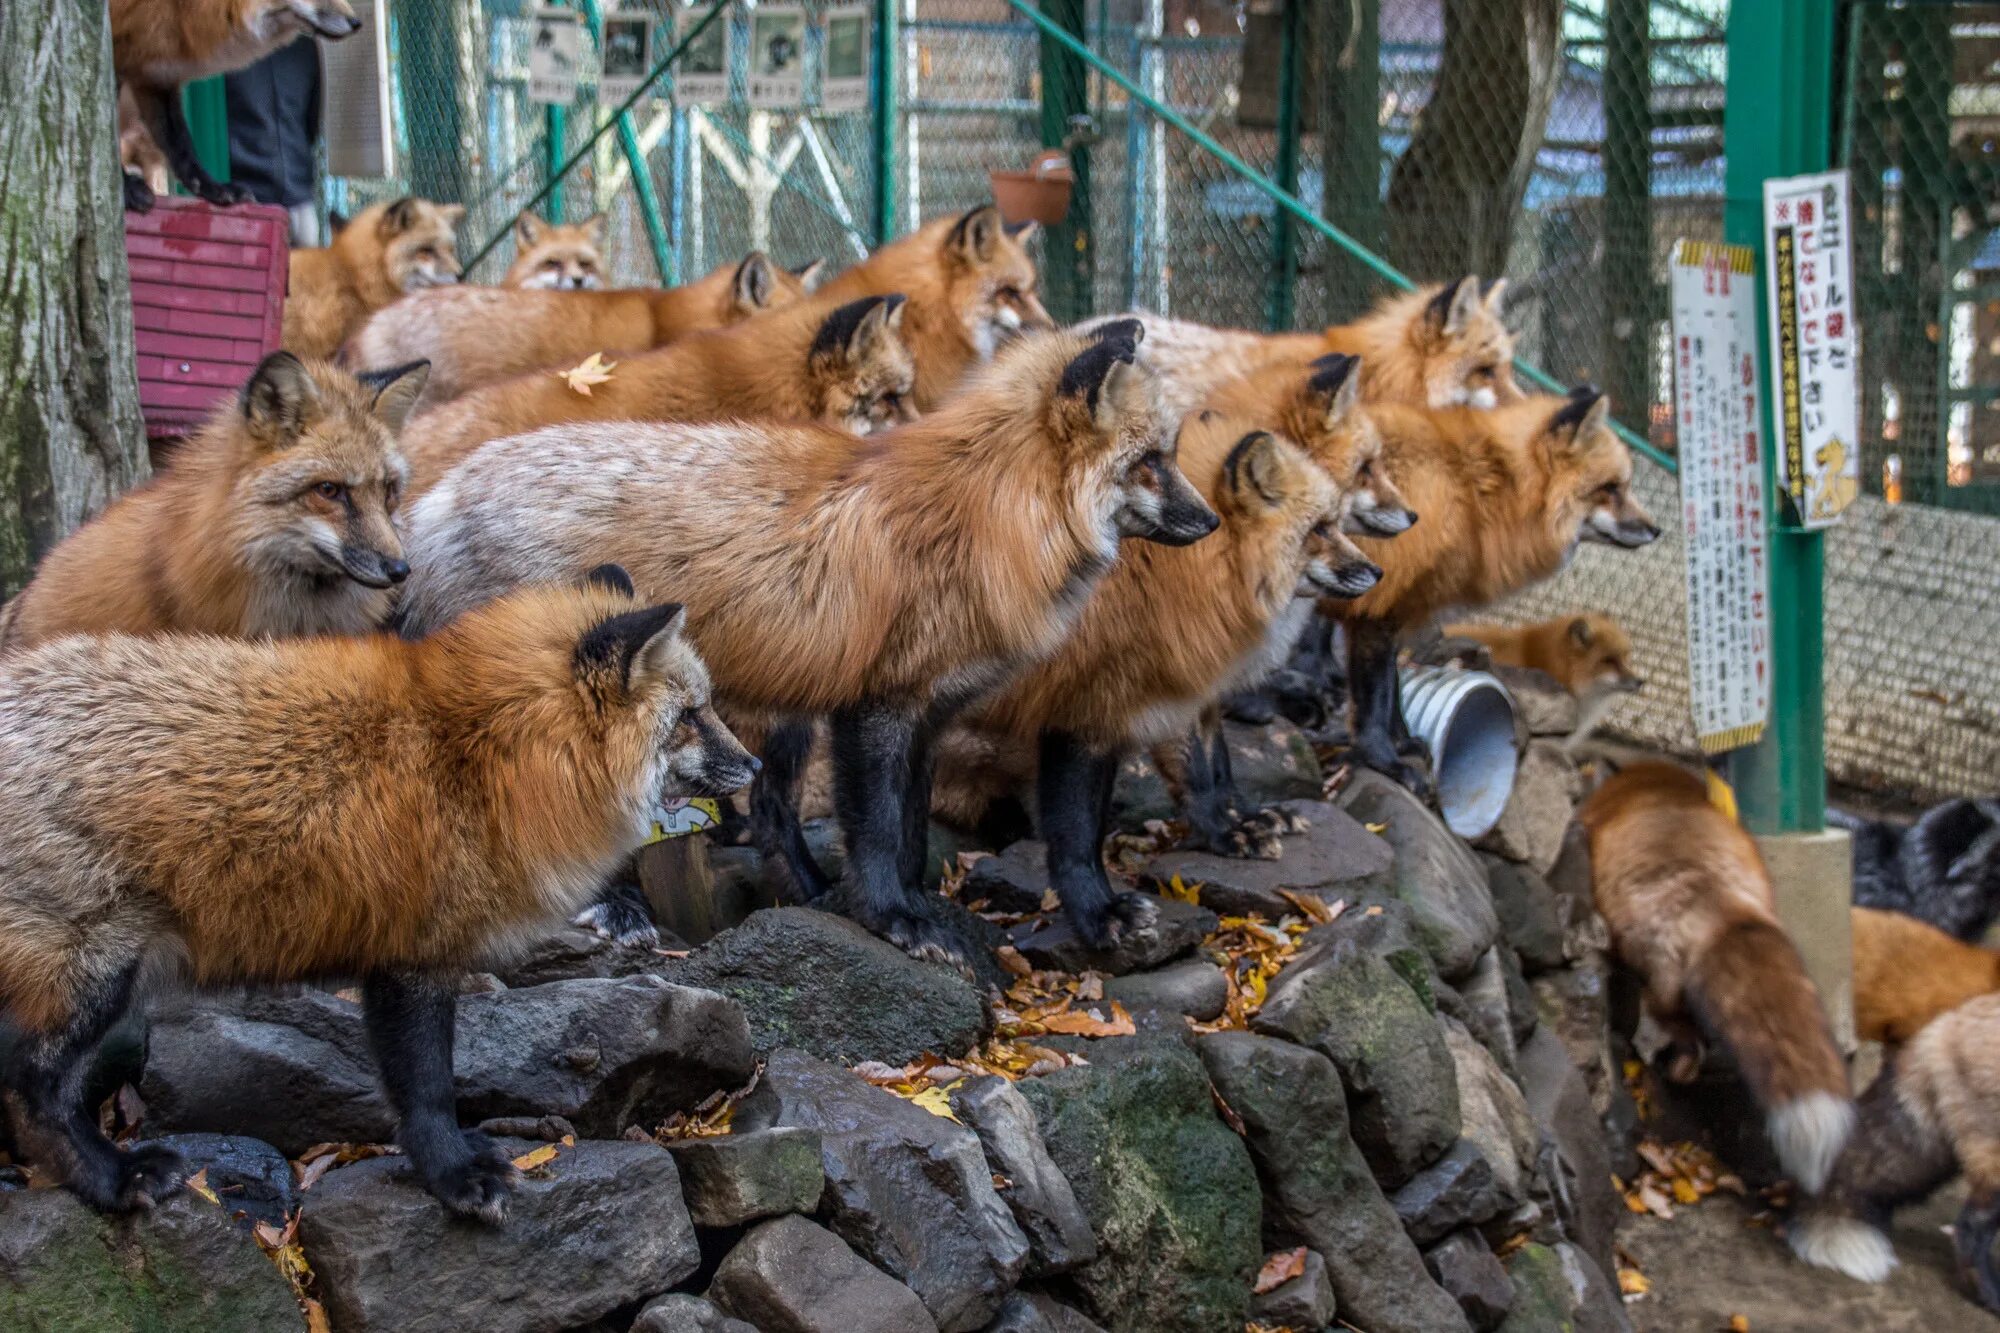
<point>971,286</point>
<point>1943,869</point>
<point>1506,495</point>
<point>277,519</point>
<point>1907,973</point>
<point>385,251</point>
<point>885,581</point>
<point>846,366</point>
<point>1582,652</point>
<point>265,813</point>
<point>1932,1114</point>
<point>558,256</point>
<point>159,45</point>
<point>1690,907</point>
<point>482,335</point>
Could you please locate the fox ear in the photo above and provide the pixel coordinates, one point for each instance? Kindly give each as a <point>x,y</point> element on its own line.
<point>528,229</point>
<point>398,217</point>
<point>1582,415</point>
<point>612,578</point>
<point>976,235</point>
<point>1579,631</point>
<point>1255,465</point>
<point>280,398</point>
<point>396,391</point>
<point>632,644</point>
<point>596,227</point>
<point>851,331</point>
<point>1127,330</point>
<point>1336,383</point>
<point>1024,232</point>
<point>1495,296</point>
<point>810,274</point>
<point>453,213</point>
<point>1096,367</point>
<point>1454,306</point>
<point>753,282</point>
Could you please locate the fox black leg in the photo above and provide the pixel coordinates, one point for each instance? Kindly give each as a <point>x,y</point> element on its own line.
<point>1258,834</point>
<point>409,1017</point>
<point>621,911</point>
<point>1378,712</point>
<point>774,809</point>
<point>1073,790</point>
<point>915,853</point>
<point>873,746</point>
<point>44,1083</point>
<point>139,196</point>
<point>170,127</point>
<point>1977,1226</point>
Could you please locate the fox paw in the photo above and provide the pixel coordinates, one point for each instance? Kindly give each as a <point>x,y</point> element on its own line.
<point>222,194</point>
<point>1124,914</point>
<point>1261,836</point>
<point>139,196</point>
<point>477,1186</point>
<point>147,1175</point>
<point>925,940</point>
<point>617,919</point>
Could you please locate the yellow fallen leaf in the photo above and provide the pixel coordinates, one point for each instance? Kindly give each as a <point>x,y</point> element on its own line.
<point>1377,829</point>
<point>1011,959</point>
<point>1633,1283</point>
<point>594,370</point>
<point>316,1320</point>
<point>1182,892</point>
<point>1279,1269</point>
<point>198,1183</point>
<point>541,1156</point>
<point>937,1101</point>
<point>1739,1323</point>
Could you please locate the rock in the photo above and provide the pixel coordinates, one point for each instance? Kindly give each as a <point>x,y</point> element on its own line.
<point>1350,1006</point>
<point>790,1276</point>
<point>182,1268</point>
<point>1532,917</point>
<point>1557,1287</point>
<point>1041,1200</point>
<point>1176,929</point>
<point>1574,1006</point>
<point>294,1070</point>
<point>570,952</point>
<point>910,1191</point>
<point>1576,1165</point>
<point>249,1176</point>
<point>1542,707</point>
<point>681,1313</point>
<point>1196,988</point>
<point>1170,1192</point>
<point>1538,810</point>
<point>1317,1185</point>
<point>1569,877</point>
<point>1387,928</point>
<point>1599,1308</point>
<point>1334,851</point>
<point>742,1177</point>
<point>1464,1266</point>
<point>821,984</point>
<point>1014,880</point>
<point>1062,1319</point>
<point>1493,1114</point>
<point>1522,1018</point>
<point>1019,1315</point>
<point>1305,1302</point>
<point>1487,1013</point>
<point>1457,1190</point>
<point>599,1227</point>
<point>1432,871</point>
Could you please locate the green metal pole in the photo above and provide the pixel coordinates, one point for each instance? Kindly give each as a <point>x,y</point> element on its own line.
<point>207,110</point>
<point>882,75</point>
<point>642,177</point>
<point>1775,123</point>
<point>1066,106</point>
<point>1280,306</point>
<point>558,137</point>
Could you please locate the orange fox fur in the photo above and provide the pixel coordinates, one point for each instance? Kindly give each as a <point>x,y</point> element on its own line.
<point>1690,908</point>
<point>1580,652</point>
<point>557,255</point>
<point>772,368</point>
<point>1907,972</point>
<point>385,250</point>
<point>481,335</point>
<point>234,537</point>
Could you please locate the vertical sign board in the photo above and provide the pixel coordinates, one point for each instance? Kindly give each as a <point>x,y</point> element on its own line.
<point>1808,253</point>
<point>626,57</point>
<point>701,75</point>
<point>555,45</point>
<point>843,82</point>
<point>1722,491</point>
<point>778,57</point>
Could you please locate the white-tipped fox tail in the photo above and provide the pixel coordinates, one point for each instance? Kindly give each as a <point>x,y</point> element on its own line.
<point>1844,1244</point>
<point>1809,1131</point>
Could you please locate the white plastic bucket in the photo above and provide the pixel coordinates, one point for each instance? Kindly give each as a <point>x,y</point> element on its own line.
<point>1467,719</point>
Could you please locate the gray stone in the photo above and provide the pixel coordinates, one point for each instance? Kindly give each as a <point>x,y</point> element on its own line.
<point>1487,1013</point>
<point>1532,917</point>
<point>910,1191</point>
<point>1353,1008</point>
<point>1170,1192</point>
<point>1196,988</point>
<point>1041,1200</point>
<point>1464,1265</point>
<point>1576,1171</point>
<point>1176,929</point>
<point>1014,880</point>
<point>1569,878</point>
<point>1559,1288</point>
<point>789,1276</point>
<point>1538,810</point>
<point>599,1227</point>
<point>1542,707</point>
<point>738,1178</point>
<point>821,984</point>
<point>1387,928</point>
<point>1599,1308</point>
<point>1317,1185</point>
<point>1062,1319</point>
<point>1493,1114</point>
<point>295,1070</point>
<point>1574,1006</point>
<point>1334,852</point>
<point>251,1179</point>
<point>181,1268</point>
<point>1522,1017</point>
<point>1433,871</point>
<point>569,952</point>
<point>1457,1190</point>
<point>1305,1302</point>
<point>1019,1315</point>
<point>682,1313</point>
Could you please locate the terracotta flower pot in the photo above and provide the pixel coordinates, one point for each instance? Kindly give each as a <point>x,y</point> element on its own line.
<point>1039,194</point>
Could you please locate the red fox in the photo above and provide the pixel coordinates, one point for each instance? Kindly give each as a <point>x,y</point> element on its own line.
<point>482,335</point>
<point>1907,972</point>
<point>384,251</point>
<point>1582,652</point>
<point>886,581</point>
<point>258,813</point>
<point>1933,1113</point>
<point>1689,904</point>
<point>558,256</point>
<point>846,366</point>
<point>159,45</point>
<point>277,519</point>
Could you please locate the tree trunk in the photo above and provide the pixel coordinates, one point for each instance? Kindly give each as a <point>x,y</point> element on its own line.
<point>70,434</point>
<point>1456,191</point>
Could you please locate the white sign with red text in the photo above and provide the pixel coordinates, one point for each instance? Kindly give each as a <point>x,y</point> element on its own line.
<point>1809,263</point>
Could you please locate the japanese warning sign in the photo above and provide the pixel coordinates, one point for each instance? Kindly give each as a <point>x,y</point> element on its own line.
<point>1808,253</point>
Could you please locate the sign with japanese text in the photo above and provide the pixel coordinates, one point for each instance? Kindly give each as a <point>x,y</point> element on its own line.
<point>627,55</point>
<point>1809,260</point>
<point>701,75</point>
<point>1718,427</point>
<point>843,78</point>
<point>778,57</point>
<point>554,46</point>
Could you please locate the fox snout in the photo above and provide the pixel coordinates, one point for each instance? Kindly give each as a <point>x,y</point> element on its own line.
<point>1336,566</point>
<point>371,568</point>
<point>711,762</point>
<point>1622,521</point>
<point>1372,520</point>
<point>1162,506</point>
<point>332,20</point>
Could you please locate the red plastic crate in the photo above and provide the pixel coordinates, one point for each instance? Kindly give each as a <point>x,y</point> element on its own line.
<point>208,303</point>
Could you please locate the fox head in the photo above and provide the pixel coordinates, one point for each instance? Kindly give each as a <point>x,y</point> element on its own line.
<point>1269,480</point>
<point>1597,652</point>
<point>1590,475</point>
<point>271,22</point>
<point>315,499</point>
<point>557,256</point>
<point>990,280</point>
<point>758,284</point>
<point>861,371</point>
<point>419,243</point>
<point>1466,351</point>
<point>1339,433</point>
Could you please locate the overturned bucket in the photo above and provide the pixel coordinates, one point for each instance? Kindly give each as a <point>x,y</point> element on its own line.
<point>1467,719</point>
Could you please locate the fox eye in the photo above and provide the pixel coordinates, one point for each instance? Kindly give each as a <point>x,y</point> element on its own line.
<point>1009,293</point>
<point>392,494</point>
<point>330,490</point>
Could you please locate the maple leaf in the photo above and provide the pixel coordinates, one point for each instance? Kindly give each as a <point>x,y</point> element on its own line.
<point>594,370</point>
<point>541,1156</point>
<point>198,1184</point>
<point>936,1100</point>
<point>1279,1269</point>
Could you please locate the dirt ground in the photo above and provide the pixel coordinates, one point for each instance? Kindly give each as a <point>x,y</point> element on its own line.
<point>1708,1263</point>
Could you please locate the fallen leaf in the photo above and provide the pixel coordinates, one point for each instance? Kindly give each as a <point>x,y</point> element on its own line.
<point>1632,1282</point>
<point>937,1101</point>
<point>1377,829</point>
<point>1279,1269</point>
<point>1182,892</point>
<point>594,370</point>
<point>1086,1023</point>
<point>1313,906</point>
<point>1011,959</point>
<point>1049,900</point>
<point>316,1320</point>
<point>541,1156</point>
<point>1739,1323</point>
<point>198,1184</point>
